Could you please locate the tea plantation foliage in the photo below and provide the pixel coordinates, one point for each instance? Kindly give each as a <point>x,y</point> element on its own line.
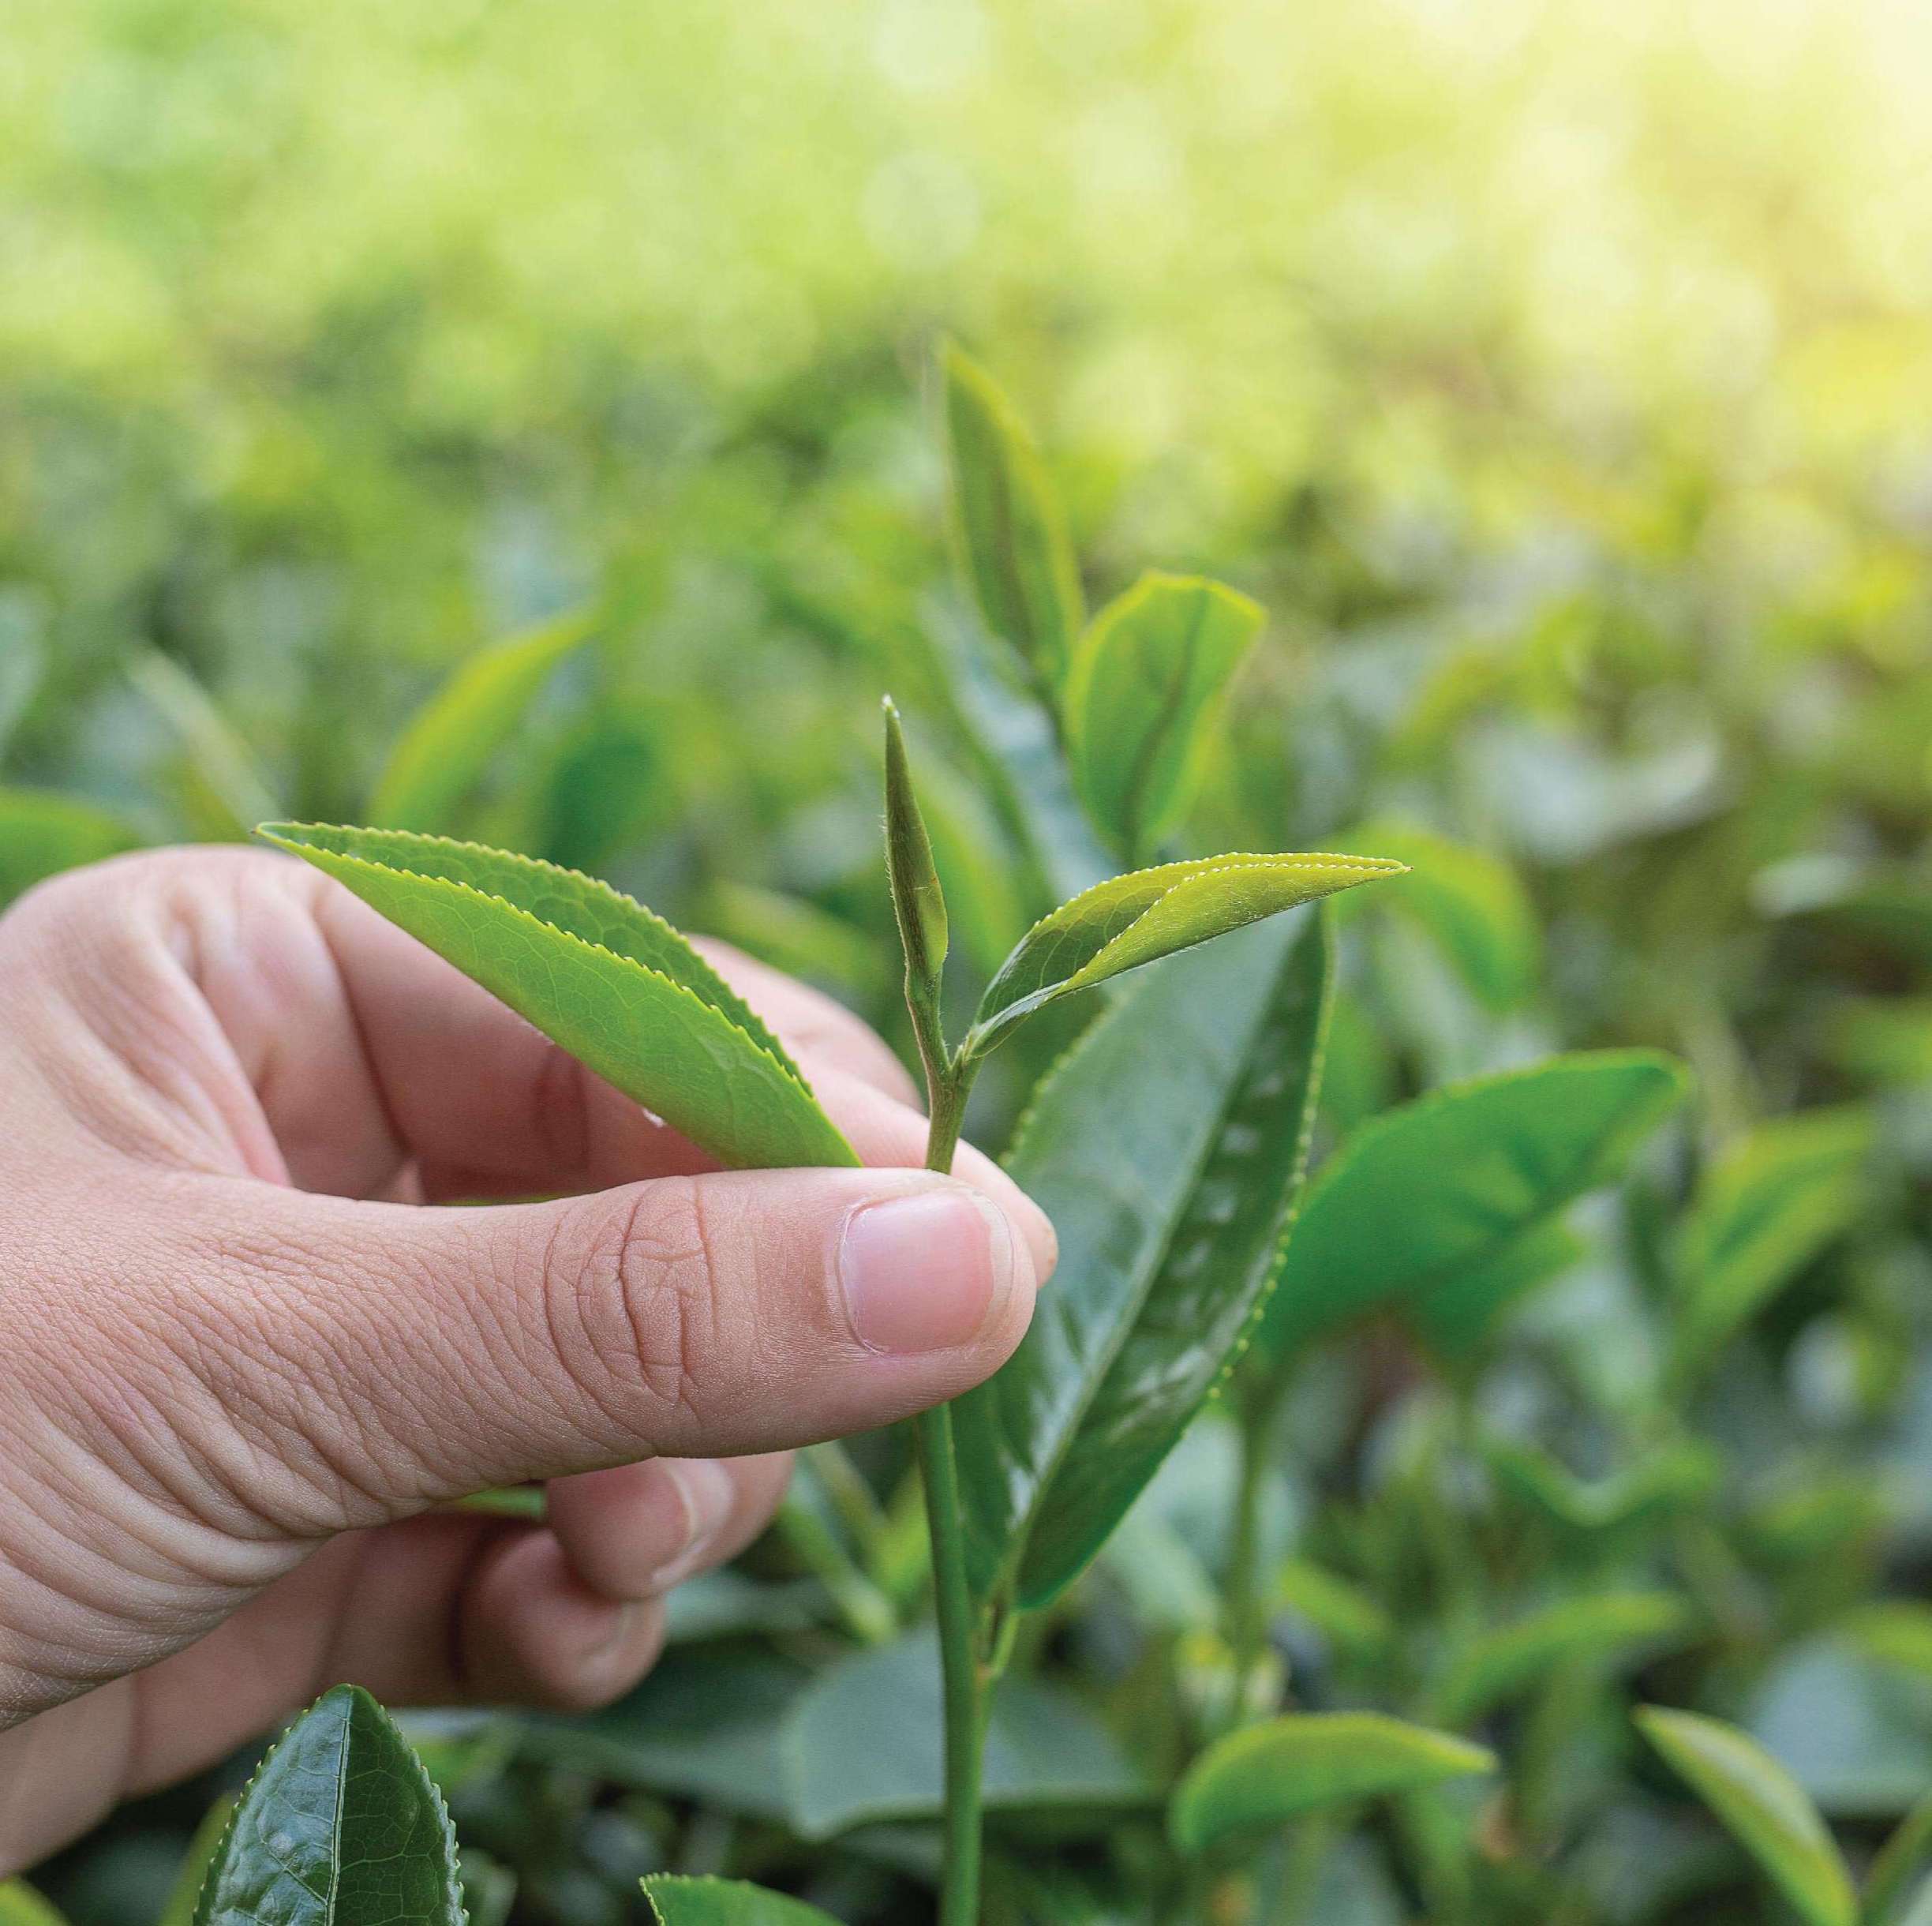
<point>529,423</point>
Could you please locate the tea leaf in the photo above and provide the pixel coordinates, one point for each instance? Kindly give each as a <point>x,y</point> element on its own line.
<point>1469,901</point>
<point>340,1828</point>
<point>1268,1773</point>
<point>20,1905</point>
<point>445,749</point>
<point>1763,1808</point>
<point>919,903</point>
<point>1145,685</point>
<point>615,985</point>
<point>1670,1478</point>
<point>42,834</point>
<point>1168,1148</point>
<point>863,1746</point>
<point>1763,1213</point>
<point>1019,563</point>
<point>1425,1193</point>
<point>1119,925</point>
<point>1456,1317</point>
<point>1499,1665</point>
<point>677,1900</point>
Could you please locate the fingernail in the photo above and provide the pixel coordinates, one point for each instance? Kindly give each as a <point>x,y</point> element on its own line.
<point>927,1271</point>
<point>704,1488</point>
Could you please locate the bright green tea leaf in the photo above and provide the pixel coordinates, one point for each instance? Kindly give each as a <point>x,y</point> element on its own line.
<point>678,1900</point>
<point>20,1905</point>
<point>340,1828</point>
<point>1019,564</point>
<point>1168,1148</point>
<point>1146,685</point>
<point>862,1746</point>
<point>1119,925</point>
<point>919,903</point>
<point>1471,902</point>
<point>1764,1211</point>
<point>1425,1193</point>
<point>1763,1808</point>
<point>1268,1773</point>
<point>444,750</point>
<point>42,834</point>
<point>615,985</point>
<point>1500,1665</point>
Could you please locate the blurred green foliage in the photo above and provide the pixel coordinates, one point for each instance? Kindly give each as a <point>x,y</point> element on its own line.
<point>1553,374</point>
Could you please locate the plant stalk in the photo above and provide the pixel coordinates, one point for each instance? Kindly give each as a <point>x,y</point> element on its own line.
<point>963,1687</point>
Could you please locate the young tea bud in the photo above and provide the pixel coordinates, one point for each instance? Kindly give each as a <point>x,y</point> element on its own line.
<point>918,902</point>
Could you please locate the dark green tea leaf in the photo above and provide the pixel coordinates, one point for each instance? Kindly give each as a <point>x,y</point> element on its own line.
<point>615,985</point>
<point>340,1828</point>
<point>1268,1773</point>
<point>1119,925</point>
<point>1762,1806</point>
<point>678,1900</point>
<point>1147,681</point>
<point>445,749</point>
<point>1019,563</point>
<point>1168,1148</point>
<point>1425,1193</point>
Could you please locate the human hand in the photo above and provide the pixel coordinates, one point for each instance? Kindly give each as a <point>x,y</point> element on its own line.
<point>251,1344</point>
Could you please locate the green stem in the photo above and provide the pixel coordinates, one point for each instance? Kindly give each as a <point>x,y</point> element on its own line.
<point>949,1079</point>
<point>1246,1621</point>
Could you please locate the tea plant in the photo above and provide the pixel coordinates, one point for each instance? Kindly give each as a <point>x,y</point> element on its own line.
<point>1546,1391</point>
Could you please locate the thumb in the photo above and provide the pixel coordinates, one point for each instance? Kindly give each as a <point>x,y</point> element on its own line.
<point>434,1352</point>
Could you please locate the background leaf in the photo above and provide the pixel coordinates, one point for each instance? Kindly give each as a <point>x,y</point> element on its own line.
<point>863,1745</point>
<point>42,834</point>
<point>1202,1083</point>
<point>1470,901</point>
<point>678,1900</point>
<point>1760,1803</point>
<point>1019,563</point>
<point>1764,1210</point>
<point>1421,1195</point>
<point>1605,1627</point>
<point>441,755</point>
<point>1273,1772</point>
<point>615,985</point>
<point>340,1828</point>
<point>1147,680</point>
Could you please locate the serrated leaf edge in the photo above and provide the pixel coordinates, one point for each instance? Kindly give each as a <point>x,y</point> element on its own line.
<point>732,1007</point>
<point>780,1061</point>
<point>1012,1563</point>
<point>268,1759</point>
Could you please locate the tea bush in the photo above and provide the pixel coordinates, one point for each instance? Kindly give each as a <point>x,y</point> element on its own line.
<point>1488,1489</point>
